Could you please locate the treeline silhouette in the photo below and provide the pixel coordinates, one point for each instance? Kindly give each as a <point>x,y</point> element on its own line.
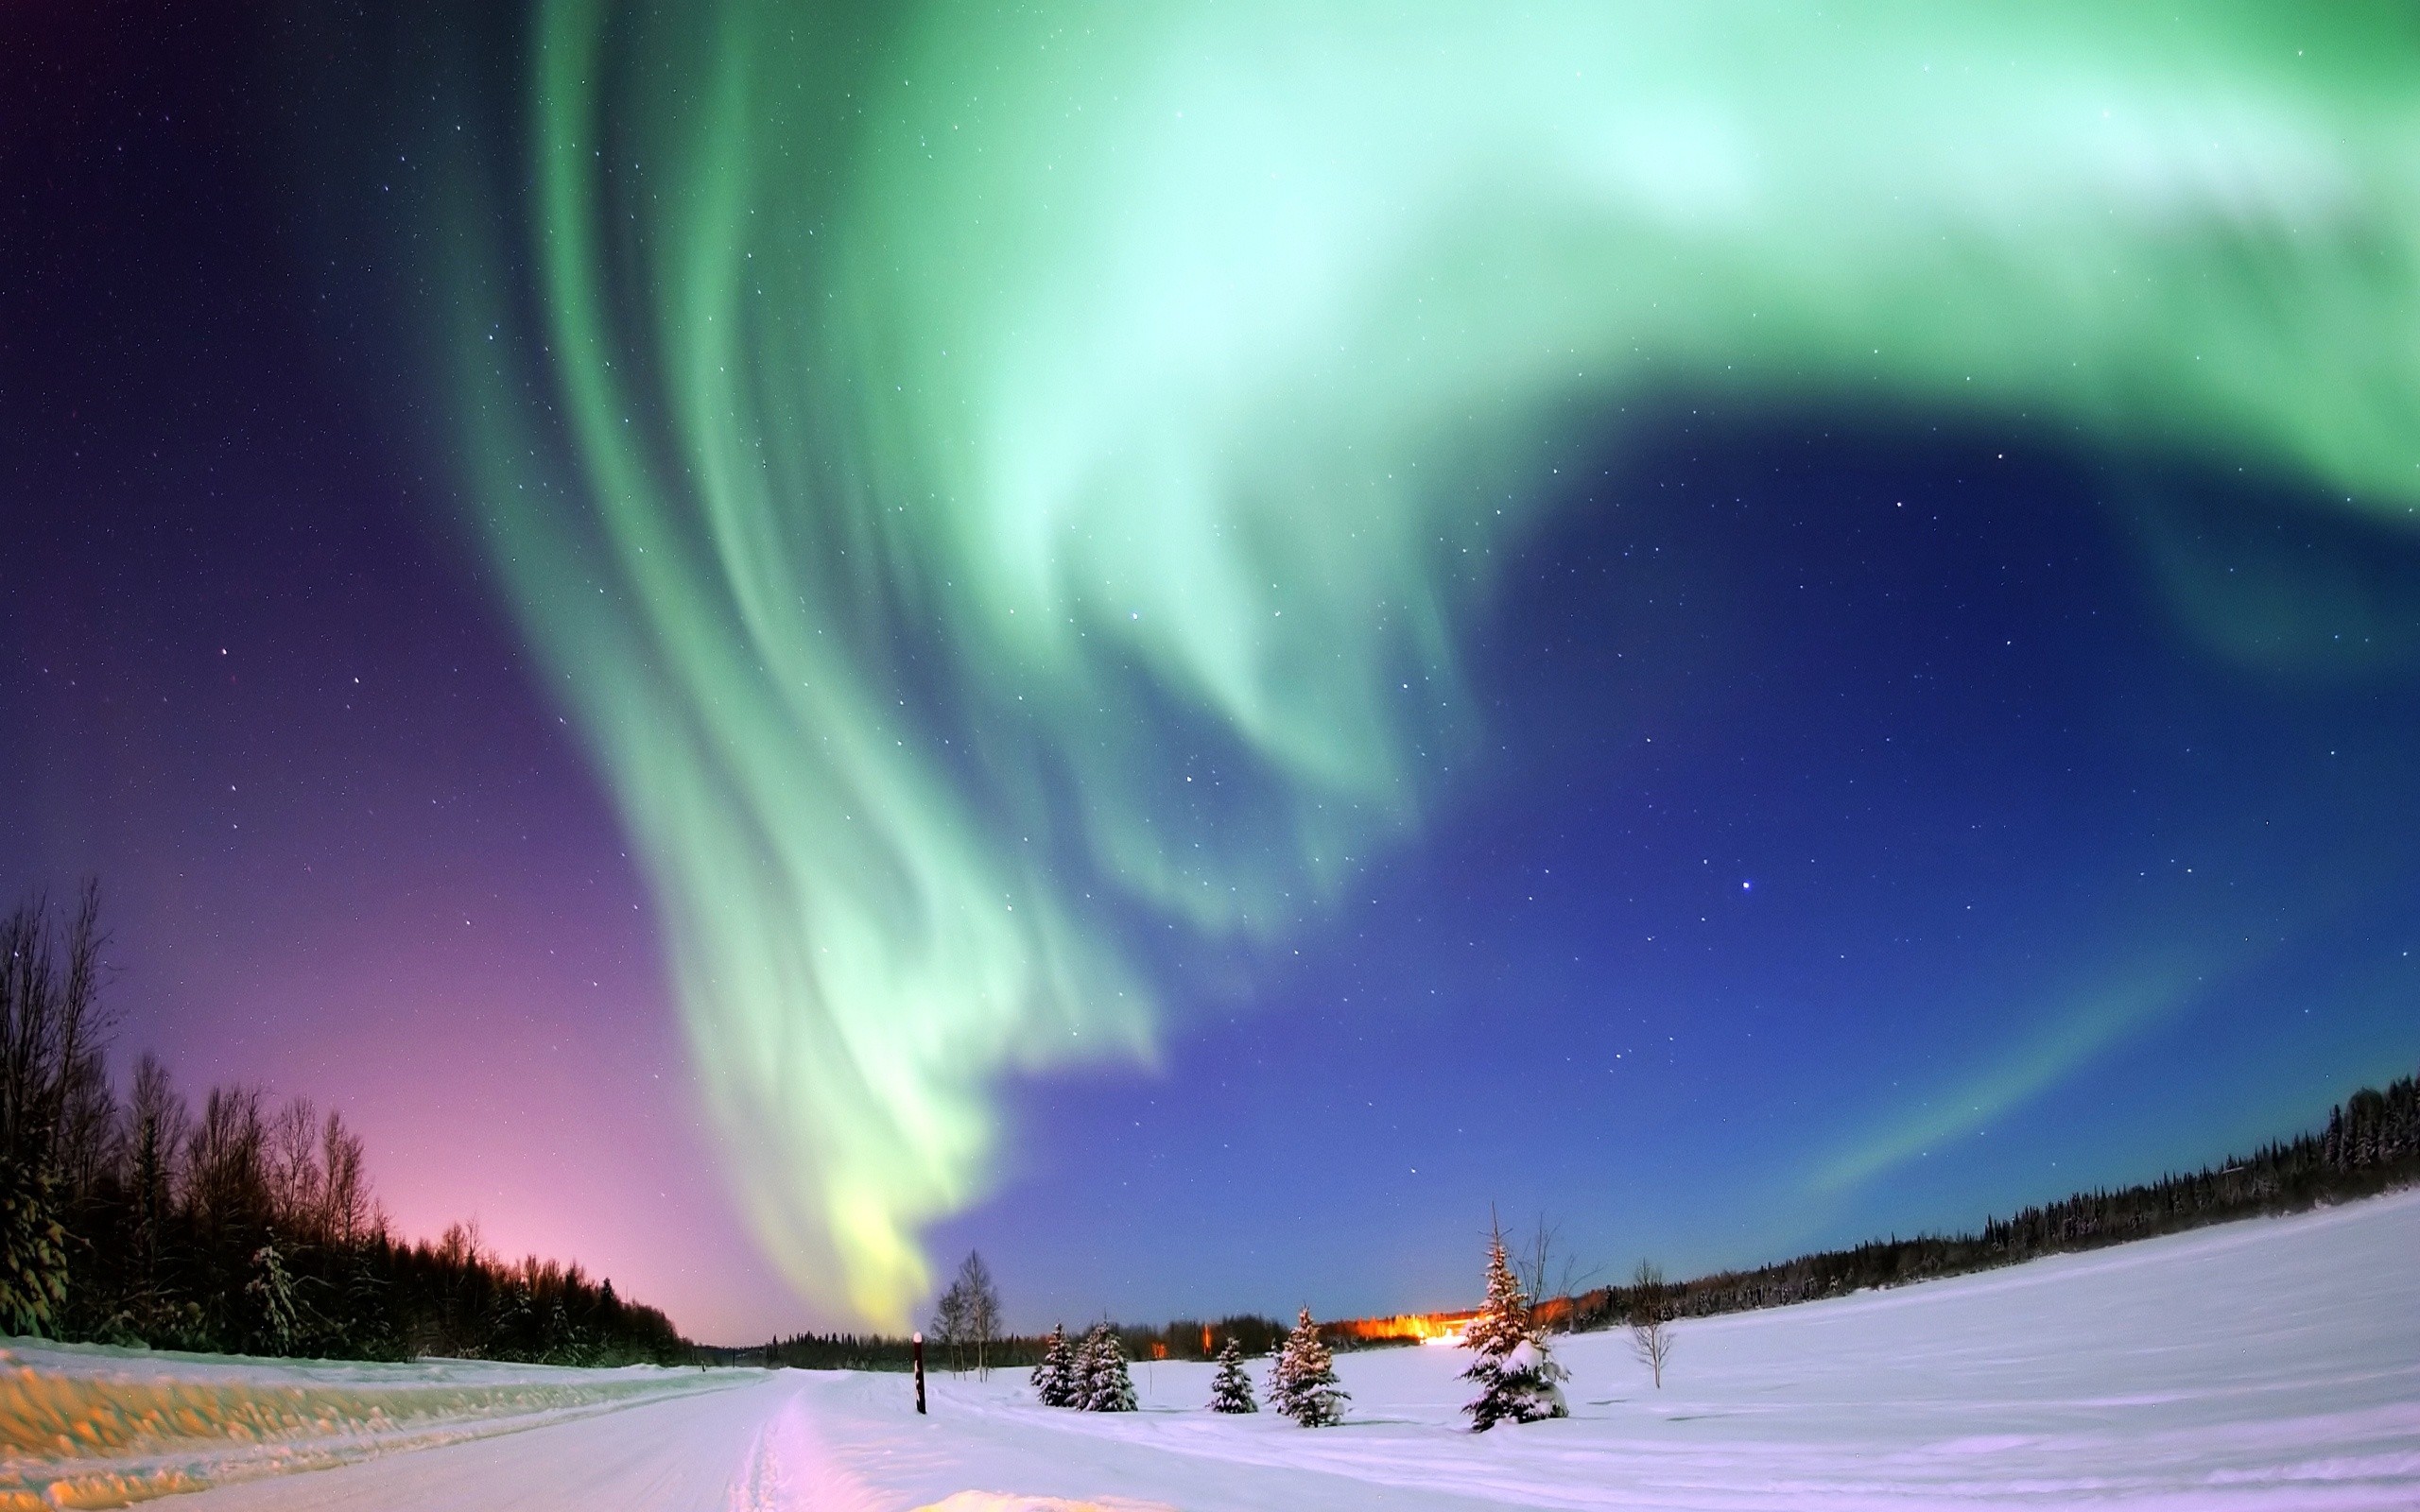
<point>2371,1143</point>
<point>235,1227</point>
<point>1182,1339</point>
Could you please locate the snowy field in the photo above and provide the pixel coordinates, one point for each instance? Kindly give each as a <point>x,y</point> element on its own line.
<point>2273,1364</point>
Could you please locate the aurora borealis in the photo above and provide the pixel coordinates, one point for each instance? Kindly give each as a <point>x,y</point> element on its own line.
<point>1055,529</point>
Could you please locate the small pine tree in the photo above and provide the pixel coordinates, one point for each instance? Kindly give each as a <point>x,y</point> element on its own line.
<point>1231,1390</point>
<point>566,1342</point>
<point>33,1252</point>
<point>1106,1386</point>
<point>1054,1379</point>
<point>512,1327</point>
<point>272,1290</point>
<point>369,1306</point>
<point>1517,1380</point>
<point>1080,1369</point>
<point>1098,1380</point>
<point>1303,1384</point>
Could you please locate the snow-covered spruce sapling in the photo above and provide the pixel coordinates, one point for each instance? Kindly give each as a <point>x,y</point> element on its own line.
<point>1107,1387</point>
<point>1231,1389</point>
<point>1517,1380</point>
<point>1081,1364</point>
<point>271,1289</point>
<point>1054,1379</point>
<point>1304,1385</point>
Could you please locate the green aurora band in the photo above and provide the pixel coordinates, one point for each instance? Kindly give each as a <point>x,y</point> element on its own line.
<point>922,442</point>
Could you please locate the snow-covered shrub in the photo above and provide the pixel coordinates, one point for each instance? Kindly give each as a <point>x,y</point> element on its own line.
<point>1303,1384</point>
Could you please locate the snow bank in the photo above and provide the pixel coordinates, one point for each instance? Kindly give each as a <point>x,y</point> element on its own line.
<point>85,1425</point>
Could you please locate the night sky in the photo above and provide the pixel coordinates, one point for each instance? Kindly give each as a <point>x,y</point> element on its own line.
<point>1682,778</point>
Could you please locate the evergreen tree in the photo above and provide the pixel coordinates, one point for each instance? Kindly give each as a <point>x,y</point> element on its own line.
<point>271,1289</point>
<point>513,1323</point>
<point>1106,1387</point>
<point>33,1251</point>
<point>1054,1379</point>
<point>1515,1377</point>
<point>1303,1384</point>
<point>1080,1364</point>
<point>1231,1390</point>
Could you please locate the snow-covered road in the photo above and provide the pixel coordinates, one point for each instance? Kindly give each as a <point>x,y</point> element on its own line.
<point>2272,1365</point>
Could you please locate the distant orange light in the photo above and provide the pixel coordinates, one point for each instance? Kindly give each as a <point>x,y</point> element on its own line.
<point>1421,1328</point>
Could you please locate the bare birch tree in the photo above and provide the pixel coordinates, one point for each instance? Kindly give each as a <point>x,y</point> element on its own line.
<point>950,1320</point>
<point>982,1310</point>
<point>1651,1323</point>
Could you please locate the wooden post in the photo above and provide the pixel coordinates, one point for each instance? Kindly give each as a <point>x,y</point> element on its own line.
<point>920,1374</point>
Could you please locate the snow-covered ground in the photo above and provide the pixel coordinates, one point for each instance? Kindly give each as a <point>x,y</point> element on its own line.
<point>2273,1364</point>
<point>87,1426</point>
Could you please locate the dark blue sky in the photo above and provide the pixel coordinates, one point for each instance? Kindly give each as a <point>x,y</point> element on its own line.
<point>1863,840</point>
<point>1867,821</point>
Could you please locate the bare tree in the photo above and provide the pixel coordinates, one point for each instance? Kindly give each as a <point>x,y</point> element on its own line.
<point>92,1134</point>
<point>463,1246</point>
<point>1550,1271</point>
<point>157,1126</point>
<point>157,1113</point>
<point>1651,1323</point>
<point>982,1310</point>
<point>967,1317</point>
<point>345,1217</point>
<point>226,1180</point>
<point>950,1318</point>
<point>51,1032</point>
<point>292,1158</point>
